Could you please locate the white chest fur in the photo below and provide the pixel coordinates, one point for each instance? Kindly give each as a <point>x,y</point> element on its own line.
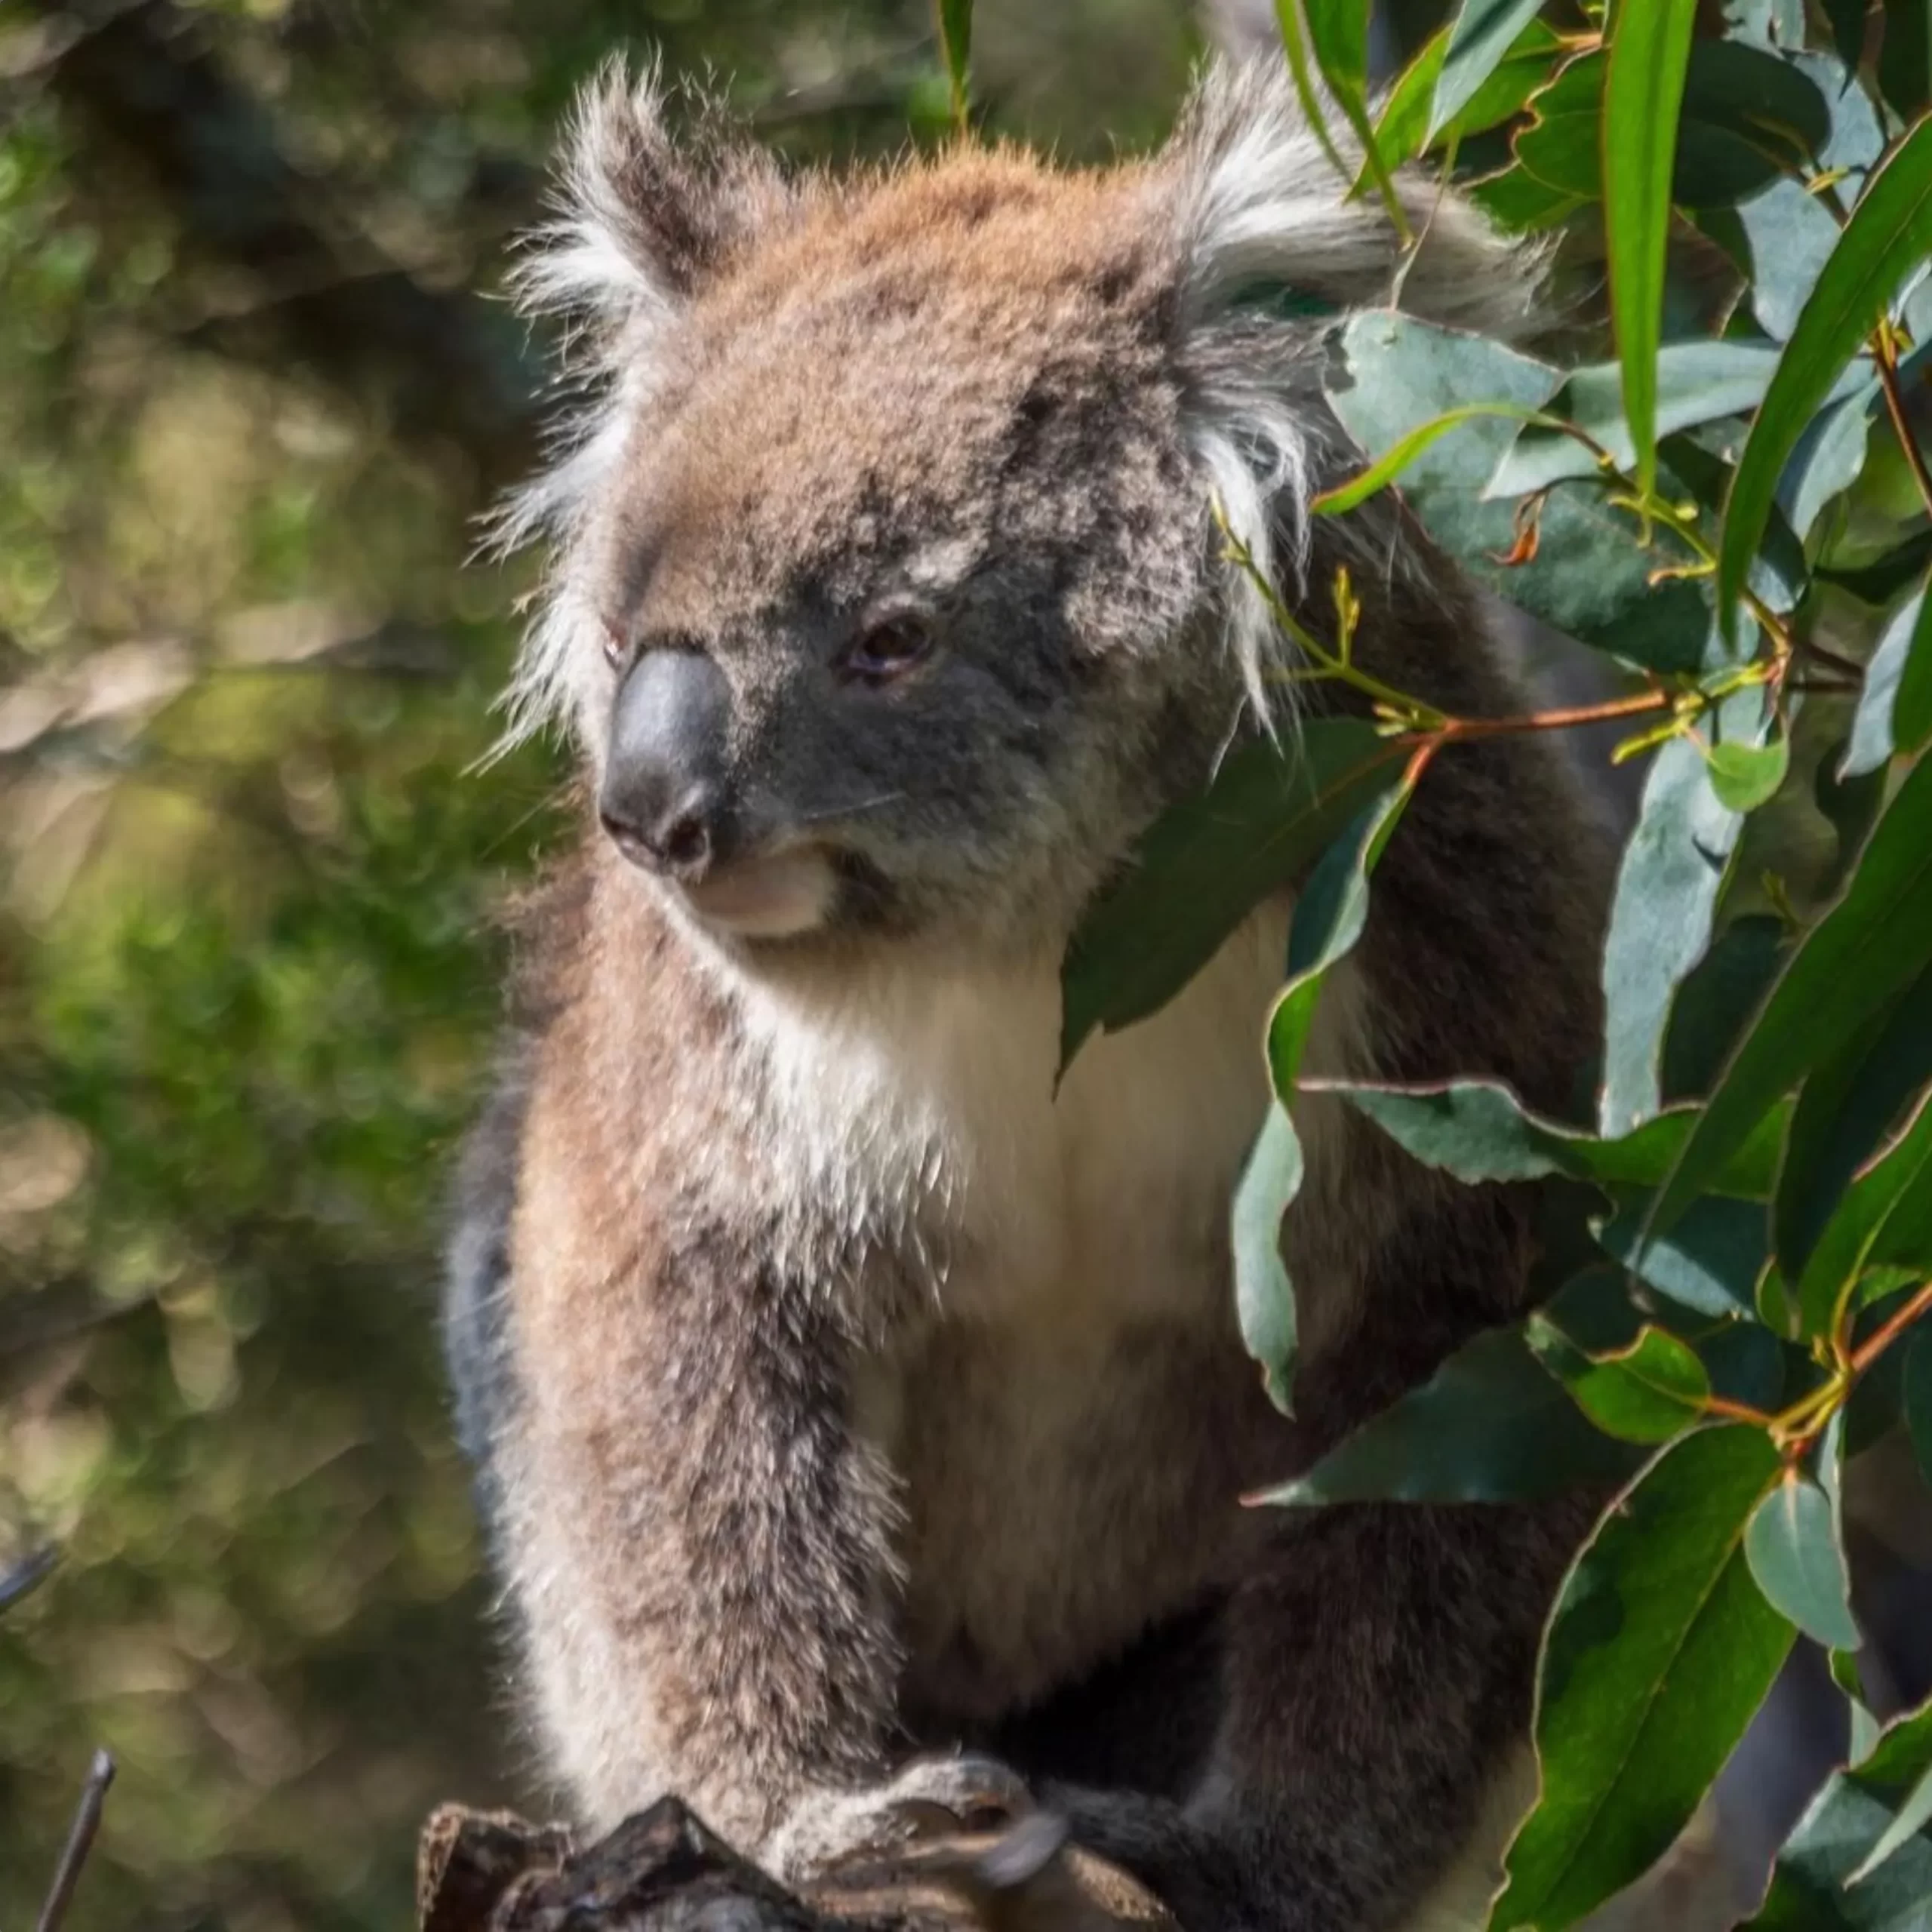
<point>920,1099</point>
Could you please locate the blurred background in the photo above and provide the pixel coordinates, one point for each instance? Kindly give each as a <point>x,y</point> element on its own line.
<point>256,385</point>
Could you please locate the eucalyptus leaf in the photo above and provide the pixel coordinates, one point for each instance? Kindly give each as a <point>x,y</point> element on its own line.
<point>1205,866</point>
<point>1888,233</point>
<point>1264,1297</point>
<point>1490,1426</point>
<point>1660,1650</point>
<point>1895,707</point>
<point>1793,1547</point>
<point>1875,942</point>
<point>1650,1391</point>
<point>1479,40</point>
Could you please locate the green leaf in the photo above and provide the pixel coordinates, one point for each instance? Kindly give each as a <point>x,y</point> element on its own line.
<point>1830,454</point>
<point>1650,1391</point>
<point>1836,1841</point>
<point>1709,1260</point>
<point>1849,1104</point>
<point>1204,867</point>
<point>1866,1227</point>
<point>1715,999</point>
<point>1379,474</point>
<point>1881,580</point>
<point>1904,57</point>
<point>1480,39</point>
<point>955,22</point>
<point>1745,776</point>
<point>1914,1814</point>
<point>1792,235</point>
<point>1478,1131</point>
<point>1673,867</point>
<point>1890,231</point>
<point>1402,129</point>
<point>1747,115</point>
<point>1517,201</point>
<point>1915,1395</point>
<point>1793,1546</point>
<point>1490,1426</point>
<point>1660,1650</point>
<point>1895,707</point>
<point>1589,578</point>
<point>1335,33</point>
<point>1264,1298</point>
<point>1649,48</point>
<point>1873,943</point>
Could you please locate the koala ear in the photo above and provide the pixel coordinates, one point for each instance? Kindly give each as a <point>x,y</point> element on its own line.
<point>642,217</point>
<point>1270,246</point>
<point>1263,213</point>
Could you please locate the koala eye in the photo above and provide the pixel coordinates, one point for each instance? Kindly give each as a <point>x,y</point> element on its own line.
<point>887,647</point>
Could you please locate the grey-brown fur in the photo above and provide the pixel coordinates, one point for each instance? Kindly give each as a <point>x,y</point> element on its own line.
<point>846,1395</point>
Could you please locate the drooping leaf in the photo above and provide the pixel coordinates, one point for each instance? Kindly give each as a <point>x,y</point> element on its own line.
<point>1674,865</point>
<point>1895,707</point>
<point>1480,39</point>
<point>1650,1391</point>
<point>1660,1650</point>
<point>1889,232</point>
<point>1812,1889</point>
<point>1337,41</point>
<point>1650,46</point>
<point>1589,578</point>
<point>1876,941</point>
<point>1478,1131</point>
<point>1490,1426</point>
<point>1845,1110</point>
<point>1328,919</point>
<point>1793,1547</point>
<point>1390,465</point>
<point>1204,867</point>
<point>1264,1297</point>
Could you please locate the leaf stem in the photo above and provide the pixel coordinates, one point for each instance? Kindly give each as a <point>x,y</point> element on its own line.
<point>1875,1344</point>
<point>1885,350</point>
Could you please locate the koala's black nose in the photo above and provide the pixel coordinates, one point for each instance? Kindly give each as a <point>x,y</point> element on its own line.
<point>663,800</point>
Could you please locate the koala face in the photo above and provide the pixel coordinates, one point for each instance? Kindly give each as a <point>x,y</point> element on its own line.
<point>888,573</point>
<point>889,597</point>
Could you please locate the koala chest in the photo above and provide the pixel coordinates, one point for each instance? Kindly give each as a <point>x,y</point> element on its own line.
<point>1073,1419</point>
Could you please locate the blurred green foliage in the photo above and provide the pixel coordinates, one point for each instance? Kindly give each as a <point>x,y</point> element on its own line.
<point>247,870</point>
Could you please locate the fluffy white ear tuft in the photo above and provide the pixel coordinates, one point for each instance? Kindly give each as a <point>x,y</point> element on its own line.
<point>641,220</point>
<point>1270,243</point>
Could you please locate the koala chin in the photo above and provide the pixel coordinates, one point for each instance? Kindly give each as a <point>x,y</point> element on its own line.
<point>862,1420</point>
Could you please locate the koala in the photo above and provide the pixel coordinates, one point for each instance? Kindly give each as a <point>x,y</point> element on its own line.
<point>862,1416</point>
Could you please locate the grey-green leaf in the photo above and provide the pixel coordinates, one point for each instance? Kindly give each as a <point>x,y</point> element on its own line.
<point>1264,1298</point>
<point>1889,233</point>
<point>1895,707</point>
<point>1481,36</point>
<point>1793,1547</point>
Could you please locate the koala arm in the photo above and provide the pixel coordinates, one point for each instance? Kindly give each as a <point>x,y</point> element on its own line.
<point>1377,1672</point>
<point>699,1545</point>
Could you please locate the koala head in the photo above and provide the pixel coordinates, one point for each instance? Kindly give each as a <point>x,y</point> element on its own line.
<point>886,594</point>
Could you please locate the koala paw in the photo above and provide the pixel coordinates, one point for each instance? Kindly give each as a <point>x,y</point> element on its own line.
<point>937,1797</point>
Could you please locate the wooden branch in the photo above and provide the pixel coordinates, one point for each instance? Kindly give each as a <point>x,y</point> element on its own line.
<point>663,1871</point>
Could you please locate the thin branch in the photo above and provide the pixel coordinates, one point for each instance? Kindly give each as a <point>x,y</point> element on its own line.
<point>1876,1344</point>
<point>1562,720</point>
<point>80,1842</point>
<point>1886,357</point>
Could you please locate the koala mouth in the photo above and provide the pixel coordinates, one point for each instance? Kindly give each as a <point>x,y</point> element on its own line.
<point>773,895</point>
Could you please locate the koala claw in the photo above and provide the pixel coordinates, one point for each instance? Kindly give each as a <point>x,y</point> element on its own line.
<point>936,1797</point>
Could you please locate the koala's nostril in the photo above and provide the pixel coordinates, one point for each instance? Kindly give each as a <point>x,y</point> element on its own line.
<point>685,843</point>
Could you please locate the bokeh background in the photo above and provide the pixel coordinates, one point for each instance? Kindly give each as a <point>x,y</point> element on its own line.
<point>256,383</point>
